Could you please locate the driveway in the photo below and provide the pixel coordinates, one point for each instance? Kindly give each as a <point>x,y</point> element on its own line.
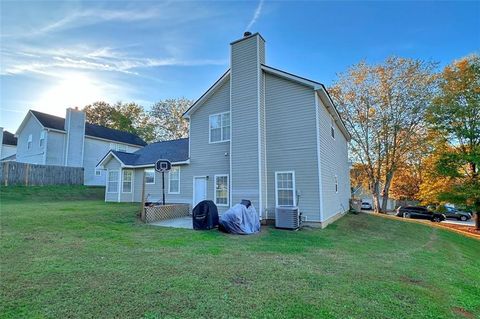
<point>470,222</point>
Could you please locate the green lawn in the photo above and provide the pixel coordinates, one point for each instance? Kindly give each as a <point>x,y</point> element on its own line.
<point>67,254</point>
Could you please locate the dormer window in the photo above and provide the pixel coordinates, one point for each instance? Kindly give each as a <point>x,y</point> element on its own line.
<point>219,127</point>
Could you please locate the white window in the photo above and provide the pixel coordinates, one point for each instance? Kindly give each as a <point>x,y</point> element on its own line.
<point>285,188</point>
<point>336,184</point>
<point>221,190</point>
<point>29,142</point>
<point>149,176</point>
<point>332,128</point>
<point>98,172</point>
<point>42,139</point>
<point>127,181</point>
<point>174,180</point>
<point>112,182</point>
<point>219,127</point>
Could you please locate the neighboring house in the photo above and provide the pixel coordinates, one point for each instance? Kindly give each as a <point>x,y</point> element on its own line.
<point>52,140</point>
<point>258,133</point>
<point>8,146</point>
<point>367,197</point>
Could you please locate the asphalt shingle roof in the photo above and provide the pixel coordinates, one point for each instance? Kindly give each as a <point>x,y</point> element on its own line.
<point>9,138</point>
<point>174,151</point>
<point>58,123</point>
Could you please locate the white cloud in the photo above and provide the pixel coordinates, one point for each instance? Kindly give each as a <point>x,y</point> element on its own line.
<point>80,18</point>
<point>256,15</point>
<point>48,62</point>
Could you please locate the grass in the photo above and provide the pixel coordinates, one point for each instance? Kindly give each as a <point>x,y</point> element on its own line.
<point>65,253</point>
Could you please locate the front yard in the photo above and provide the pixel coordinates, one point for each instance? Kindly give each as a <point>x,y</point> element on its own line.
<point>66,253</point>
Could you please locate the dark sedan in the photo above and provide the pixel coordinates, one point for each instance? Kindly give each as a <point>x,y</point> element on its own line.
<point>419,212</point>
<point>457,214</point>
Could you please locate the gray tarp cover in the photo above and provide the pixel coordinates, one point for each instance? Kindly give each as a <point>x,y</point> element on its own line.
<point>241,220</point>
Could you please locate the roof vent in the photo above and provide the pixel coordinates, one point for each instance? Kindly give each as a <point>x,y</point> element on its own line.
<point>247,34</point>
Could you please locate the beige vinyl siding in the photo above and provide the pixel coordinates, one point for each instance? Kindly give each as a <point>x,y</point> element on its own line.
<point>206,159</point>
<point>245,93</point>
<point>291,141</point>
<point>334,162</point>
<point>154,191</point>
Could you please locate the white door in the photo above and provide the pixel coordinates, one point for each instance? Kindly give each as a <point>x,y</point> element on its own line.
<point>199,189</point>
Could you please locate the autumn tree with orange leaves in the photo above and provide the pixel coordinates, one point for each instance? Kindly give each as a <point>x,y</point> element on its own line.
<point>455,115</point>
<point>383,107</point>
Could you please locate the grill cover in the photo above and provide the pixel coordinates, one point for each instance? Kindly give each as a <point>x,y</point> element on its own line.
<point>240,220</point>
<point>205,215</point>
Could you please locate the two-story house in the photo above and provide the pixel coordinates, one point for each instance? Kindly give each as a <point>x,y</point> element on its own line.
<point>51,140</point>
<point>258,133</point>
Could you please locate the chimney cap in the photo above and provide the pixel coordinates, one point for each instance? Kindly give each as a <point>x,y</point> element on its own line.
<point>247,34</point>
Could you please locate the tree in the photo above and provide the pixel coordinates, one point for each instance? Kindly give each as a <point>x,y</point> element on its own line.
<point>455,114</point>
<point>406,183</point>
<point>100,113</point>
<point>167,115</point>
<point>129,117</point>
<point>410,171</point>
<point>433,184</point>
<point>383,107</point>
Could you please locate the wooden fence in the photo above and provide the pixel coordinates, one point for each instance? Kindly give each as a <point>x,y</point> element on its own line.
<point>14,173</point>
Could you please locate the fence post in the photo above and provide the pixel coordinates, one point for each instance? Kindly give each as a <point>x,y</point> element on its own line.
<point>142,211</point>
<point>26,174</point>
<point>5,174</point>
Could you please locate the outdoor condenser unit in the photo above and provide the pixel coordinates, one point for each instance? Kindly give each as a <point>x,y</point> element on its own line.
<point>287,217</point>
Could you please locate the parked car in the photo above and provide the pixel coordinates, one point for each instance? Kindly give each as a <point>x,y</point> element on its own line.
<point>366,206</point>
<point>457,214</point>
<point>419,212</point>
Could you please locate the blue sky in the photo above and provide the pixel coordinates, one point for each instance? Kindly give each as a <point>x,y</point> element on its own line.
<point>56,55</point>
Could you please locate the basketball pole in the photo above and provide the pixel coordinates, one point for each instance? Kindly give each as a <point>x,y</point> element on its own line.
<point>163,187</point>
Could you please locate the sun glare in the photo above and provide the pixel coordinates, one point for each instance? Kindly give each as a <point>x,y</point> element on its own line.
<point>72,90</point>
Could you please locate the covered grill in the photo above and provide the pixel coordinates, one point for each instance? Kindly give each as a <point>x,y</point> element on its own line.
<point>205,215</point>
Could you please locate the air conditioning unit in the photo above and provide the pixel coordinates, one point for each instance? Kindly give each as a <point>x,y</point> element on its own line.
<point>287,217</point>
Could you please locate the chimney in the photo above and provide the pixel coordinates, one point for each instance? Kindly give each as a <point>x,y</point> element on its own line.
<point>247,120</point>
<point>75,128</point>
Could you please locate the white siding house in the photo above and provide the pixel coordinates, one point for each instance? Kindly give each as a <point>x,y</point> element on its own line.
<point>51,140</point>
<point>258,133</point>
